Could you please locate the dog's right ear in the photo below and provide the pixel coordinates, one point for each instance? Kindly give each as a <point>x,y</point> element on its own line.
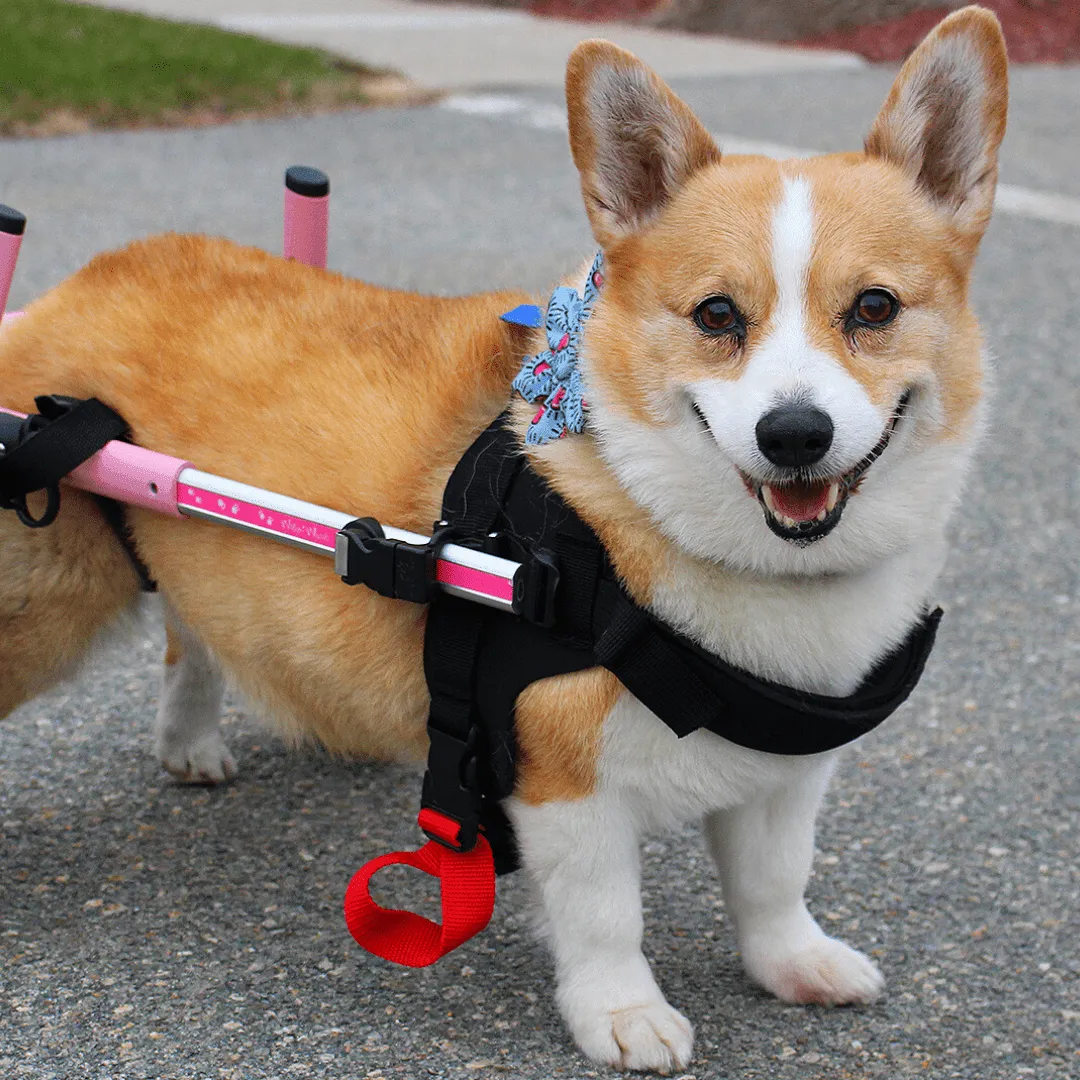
<point>634,142</point>
<point>944,118</point>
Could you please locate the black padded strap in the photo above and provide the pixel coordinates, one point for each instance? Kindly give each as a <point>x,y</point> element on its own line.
<point>688,688</point>
<point>464,753</point>
<point>44,448</point>
<point>57,444</point>
<point>477,488</point>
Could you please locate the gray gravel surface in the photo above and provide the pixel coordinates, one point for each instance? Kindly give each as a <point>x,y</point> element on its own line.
<point>149,931</point>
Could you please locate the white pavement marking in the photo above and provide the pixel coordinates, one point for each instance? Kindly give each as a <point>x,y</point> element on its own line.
<point>372,20</point>
<point>1011,199</point>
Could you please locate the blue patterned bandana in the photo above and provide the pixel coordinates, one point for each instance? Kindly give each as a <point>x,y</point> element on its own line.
<point>551,378</point>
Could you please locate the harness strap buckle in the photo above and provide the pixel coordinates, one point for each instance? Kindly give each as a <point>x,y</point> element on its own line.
<point>364,555</point>
<point>451,800</point>
<point>535,588</point>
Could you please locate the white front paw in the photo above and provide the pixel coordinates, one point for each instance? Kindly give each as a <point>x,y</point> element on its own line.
<point>825,972</point>
<point>205,761</point>
<point>652,1038</point>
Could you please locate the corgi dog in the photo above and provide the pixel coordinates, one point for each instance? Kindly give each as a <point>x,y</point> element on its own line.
<point>784,379</point>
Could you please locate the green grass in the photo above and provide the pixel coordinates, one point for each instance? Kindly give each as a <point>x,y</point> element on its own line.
<point>64,66</point>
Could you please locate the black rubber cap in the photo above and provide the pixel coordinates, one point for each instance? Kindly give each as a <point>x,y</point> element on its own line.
<point>305,180</point>
<point>11,221</point>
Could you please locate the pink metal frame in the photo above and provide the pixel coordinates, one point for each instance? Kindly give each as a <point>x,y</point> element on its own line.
<point>9,253</point>
<point>307,225</point>
<point>169,485</point>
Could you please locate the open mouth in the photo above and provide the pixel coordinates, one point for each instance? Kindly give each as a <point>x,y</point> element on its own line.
<point>802,510</point>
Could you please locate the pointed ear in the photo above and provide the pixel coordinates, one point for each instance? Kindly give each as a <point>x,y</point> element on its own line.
<point>634,142</point>
<point>944,118</point>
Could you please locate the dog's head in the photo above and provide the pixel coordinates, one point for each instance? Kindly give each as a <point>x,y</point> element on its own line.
<point>783,368</point>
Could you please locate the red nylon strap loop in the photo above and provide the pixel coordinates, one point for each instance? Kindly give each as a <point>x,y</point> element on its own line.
<point>467,882</point>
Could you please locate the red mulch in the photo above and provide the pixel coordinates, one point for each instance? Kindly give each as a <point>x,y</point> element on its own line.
<point>1036,32</point>
<point>595,10</point>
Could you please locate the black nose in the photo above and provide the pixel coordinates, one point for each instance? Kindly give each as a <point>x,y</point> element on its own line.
<point>794,435</point>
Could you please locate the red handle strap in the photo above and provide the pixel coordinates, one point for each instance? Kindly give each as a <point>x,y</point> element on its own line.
<point>467,880</point>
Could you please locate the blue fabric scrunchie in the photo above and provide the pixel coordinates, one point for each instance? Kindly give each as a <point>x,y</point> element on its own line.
<point>551,378</point>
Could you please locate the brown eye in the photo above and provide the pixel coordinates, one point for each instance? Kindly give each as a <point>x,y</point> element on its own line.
<point>719,315</point>
<point>874,307</point>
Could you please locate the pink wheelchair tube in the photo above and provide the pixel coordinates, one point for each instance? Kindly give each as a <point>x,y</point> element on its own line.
<point>307,215</point>
<point>12,227</point>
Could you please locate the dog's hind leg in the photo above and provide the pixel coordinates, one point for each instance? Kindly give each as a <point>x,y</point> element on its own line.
<point>59,586</point>
<point>187,734</point>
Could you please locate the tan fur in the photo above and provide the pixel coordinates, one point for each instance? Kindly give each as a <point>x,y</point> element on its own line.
<point>293,379</point>
<point>58,587</point>
<point>882,233</point>
<point>174,647</point>
<point>558,726</point>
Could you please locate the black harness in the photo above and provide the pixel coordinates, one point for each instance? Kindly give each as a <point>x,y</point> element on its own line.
<point>573,614</point>
<point>577,615</point>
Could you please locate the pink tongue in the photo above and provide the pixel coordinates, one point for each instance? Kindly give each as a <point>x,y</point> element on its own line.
<point>801,502</point>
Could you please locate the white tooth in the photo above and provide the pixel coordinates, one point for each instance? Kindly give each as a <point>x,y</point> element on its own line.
<point>834,494</point>
<point>766,494</point>
<point>790,522</point>
<point>823,515</point>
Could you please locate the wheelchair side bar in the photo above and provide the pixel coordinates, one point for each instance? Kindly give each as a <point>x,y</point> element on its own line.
<point>307,215</point>
<point>169,485</point>
<point>461,571</point>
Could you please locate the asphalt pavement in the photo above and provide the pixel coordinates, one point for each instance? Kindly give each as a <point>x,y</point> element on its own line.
<point>153,931</point>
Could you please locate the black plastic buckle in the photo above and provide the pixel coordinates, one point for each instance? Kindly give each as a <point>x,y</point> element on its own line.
<point>451,784</point>
<point>22,511</point>
<point>364,555</point>
<point>535,585</point>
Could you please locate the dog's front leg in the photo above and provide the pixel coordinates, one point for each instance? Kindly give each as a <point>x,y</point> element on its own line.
<point>583,858</point>
<point>763,850</point>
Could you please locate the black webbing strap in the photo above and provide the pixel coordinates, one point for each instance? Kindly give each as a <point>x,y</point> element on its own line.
<point>458,782</point>
<point>688,688</point>
<point>65,433</point>
<point>42,449</point>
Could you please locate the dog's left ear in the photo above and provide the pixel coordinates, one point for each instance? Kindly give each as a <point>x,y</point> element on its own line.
<point>634,142</point>
<point>944,118</point>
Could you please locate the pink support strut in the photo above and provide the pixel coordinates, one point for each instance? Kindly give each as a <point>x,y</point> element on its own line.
<point>12,227</point>
<point>307,215</point>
